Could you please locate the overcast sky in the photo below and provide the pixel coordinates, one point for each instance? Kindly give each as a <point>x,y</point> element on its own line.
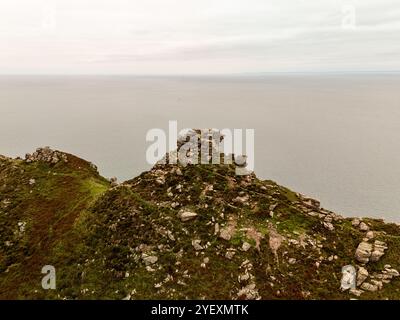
<point>198,36</point>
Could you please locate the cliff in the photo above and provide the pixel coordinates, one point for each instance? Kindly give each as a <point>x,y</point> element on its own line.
<point>180,232</point>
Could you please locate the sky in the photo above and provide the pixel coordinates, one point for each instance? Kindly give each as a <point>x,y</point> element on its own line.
<point>161,37</point>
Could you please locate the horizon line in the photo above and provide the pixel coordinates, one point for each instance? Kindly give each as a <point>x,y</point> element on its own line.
<point>262,73</point>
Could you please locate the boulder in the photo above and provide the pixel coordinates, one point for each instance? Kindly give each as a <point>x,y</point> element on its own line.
<point>356,292</point>
<point>355,222</point>
<point>228,231</point>
<point>225,234</point>
<point>362,275</point>
<point>329,226</point>
<point>363,226</point>
<point>230,254</point>
<point>370,235</point>
<point>363,252</point>
<point>378,250</point>
<point>113,182</point>
<point>196,245</point>
<point>369,287</point>
<point>376,255</point>
<point>148,260</point>
<point>187,215</point>
<point>246,246</point>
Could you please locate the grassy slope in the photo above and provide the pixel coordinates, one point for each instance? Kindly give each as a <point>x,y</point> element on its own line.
<point>97,242</point>
<point>139,214</point>
<point>48,208</point>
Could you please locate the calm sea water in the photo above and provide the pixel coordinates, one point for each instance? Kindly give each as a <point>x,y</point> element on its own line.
<point>333,137</point>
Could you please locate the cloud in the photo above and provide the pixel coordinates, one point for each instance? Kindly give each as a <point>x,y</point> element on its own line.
<point>184,36</point>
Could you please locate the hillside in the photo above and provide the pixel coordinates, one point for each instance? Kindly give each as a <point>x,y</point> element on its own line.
<point>180,232</point>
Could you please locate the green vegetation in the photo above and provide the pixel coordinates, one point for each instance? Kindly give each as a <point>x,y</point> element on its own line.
<point>250,239</point>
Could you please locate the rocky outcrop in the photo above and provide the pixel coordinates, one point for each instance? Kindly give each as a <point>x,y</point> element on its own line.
<point>367,251</point>
<point>363,252</point>
<point>378,250</point>
<point>361,225</point>
<point>177,231</point>
<point>46,155</point>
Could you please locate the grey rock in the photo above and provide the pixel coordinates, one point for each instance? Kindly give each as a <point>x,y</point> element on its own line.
<point>369,287</point>
<point>362,275</point>
<point>230,254</point>
<point>148,260</point>
<point>378,250</point>
<point>196,245</point>
<point>113,182</point>
<point>370,235</point>
<point>187,215</point>
<point>46,155</point>
<point>392,272</point>
<point>311,203</point>
<point>246,246</point>
<point>225,234</point>
<point>329,226</point>
<point>355,222</point>
<point>356,292</point>
<point>376,255</point>
<point>363,226</point>
<point>363,252</point>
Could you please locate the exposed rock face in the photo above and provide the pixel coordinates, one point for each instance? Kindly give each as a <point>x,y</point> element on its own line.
<point>379,250</point>
<point>362,275</point>
<point>363,252</point>
<point>370,252</point>
<point>46,155</point>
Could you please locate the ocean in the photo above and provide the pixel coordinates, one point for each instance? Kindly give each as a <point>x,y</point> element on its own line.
<point>335,137</point>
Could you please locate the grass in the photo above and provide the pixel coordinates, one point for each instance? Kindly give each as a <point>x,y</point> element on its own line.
<point>96,236</point>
